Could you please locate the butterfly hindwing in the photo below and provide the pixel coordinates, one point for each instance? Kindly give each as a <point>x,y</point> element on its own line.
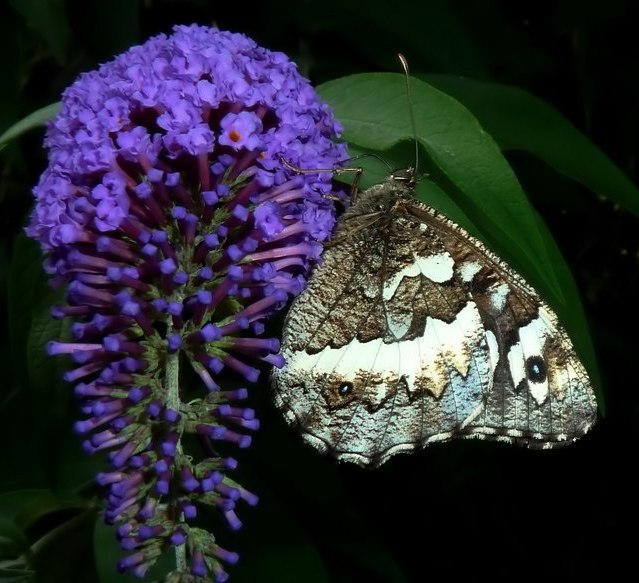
<point>411,332</point>
<point>542,394</point>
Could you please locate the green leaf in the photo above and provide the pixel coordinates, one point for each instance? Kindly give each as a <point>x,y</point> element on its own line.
<point>40,386</point>
<point>45,371</point>
<point>13,541</point>
<point>26,286</point>
<point>65,552</point>
<point>16,575</point>
<point>53,394</point>
<point>108,553</point>
<point>60,522</point>
<point>77,470</point>
<point>520,121</point>
<point>33,120</point>
<point>25,507</point>
<point>30,302</point>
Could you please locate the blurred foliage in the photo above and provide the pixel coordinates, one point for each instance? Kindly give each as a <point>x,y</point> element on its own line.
<point>556,86</point>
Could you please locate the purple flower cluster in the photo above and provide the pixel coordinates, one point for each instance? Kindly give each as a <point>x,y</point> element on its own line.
<point>167,212</point>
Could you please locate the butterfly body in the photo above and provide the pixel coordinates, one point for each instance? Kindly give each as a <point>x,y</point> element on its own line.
<point>411,331</point>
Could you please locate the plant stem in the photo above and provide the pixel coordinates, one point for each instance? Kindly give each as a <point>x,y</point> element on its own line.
<point>172,386</point>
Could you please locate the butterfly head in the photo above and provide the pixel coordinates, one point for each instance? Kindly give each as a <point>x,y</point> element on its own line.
<point>405,176</point>
<point>398,186</point>
<point>402,183</point>
<point>384,198</point>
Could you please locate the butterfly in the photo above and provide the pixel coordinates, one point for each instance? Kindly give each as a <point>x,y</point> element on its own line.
<point>411,331</point>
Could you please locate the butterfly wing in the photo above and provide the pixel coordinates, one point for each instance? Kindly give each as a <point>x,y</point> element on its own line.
<point>541,394</point>
<point>413,332</point>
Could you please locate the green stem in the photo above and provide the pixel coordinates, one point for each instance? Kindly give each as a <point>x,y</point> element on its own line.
<point>172,386</point>
<point>172,382</point>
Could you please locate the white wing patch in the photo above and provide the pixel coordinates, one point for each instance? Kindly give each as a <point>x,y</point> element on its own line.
<point>532,340</point>
<point>493,350</point>
<point>442,344</point>
<point>437,268</point>
<point>499,295</point>
<point>469,270</point>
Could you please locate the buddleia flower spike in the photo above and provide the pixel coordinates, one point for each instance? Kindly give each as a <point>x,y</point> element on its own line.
<point>166,214</point>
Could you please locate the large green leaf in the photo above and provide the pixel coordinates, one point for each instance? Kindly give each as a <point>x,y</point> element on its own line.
<point>520,121</point>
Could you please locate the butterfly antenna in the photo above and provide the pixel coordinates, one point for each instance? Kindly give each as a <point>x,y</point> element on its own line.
<point>404,62</point>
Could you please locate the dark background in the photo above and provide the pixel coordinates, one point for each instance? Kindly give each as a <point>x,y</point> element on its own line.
<point>455,510</point>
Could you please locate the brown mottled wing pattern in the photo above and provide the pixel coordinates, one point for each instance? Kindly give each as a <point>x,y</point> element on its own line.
<point>411,332</point>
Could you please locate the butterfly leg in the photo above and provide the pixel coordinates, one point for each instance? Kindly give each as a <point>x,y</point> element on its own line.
<point>335,171</point>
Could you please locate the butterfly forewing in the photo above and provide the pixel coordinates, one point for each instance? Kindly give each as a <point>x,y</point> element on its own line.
<point>411,332</point>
